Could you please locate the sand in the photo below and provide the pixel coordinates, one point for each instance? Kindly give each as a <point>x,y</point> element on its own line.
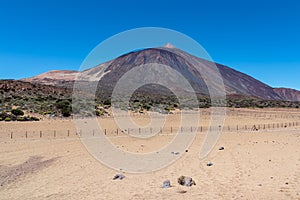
<point>263,164</point>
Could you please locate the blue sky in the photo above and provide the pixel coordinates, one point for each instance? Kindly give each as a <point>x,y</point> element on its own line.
<point>259,38</point>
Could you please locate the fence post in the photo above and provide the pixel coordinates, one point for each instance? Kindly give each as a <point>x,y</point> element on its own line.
<point>26,134</point>
<point>54,133</point>
<point>68,133</point>
<point>41,134</point>
<point>11,135</point>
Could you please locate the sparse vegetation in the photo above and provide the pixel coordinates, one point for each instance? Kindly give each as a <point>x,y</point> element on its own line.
<point>18,98</point>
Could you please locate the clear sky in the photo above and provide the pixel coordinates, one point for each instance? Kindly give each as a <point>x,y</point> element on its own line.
<point>258,37</point>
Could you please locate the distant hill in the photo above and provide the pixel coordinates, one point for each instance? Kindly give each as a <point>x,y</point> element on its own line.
<point>288,94</point>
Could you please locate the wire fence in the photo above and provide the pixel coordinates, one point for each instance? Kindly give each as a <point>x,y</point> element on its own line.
<point>159,131</point>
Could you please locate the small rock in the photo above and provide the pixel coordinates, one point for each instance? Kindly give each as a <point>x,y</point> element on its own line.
<point>186,181</point>
<point>166,184</point>
<point>119,177</point>
<point>209,164</point>
<point>221,148</point>
<point>186,150</point>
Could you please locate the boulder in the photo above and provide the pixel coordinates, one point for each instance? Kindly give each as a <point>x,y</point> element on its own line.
<point>166,184</point>
<point>118,177</point>
<point>186,181</point>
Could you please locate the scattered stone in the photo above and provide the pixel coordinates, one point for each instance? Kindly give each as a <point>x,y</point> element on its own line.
<point>286,183</point>
<point>166,184</point>
<point>182,191</point>
<point>175,153</point>
<point>221,148</point>
<point>118,177</point>
<point>186,181</point>
<point>186,150</point>
<point>209,164</point>
<point>260,185</point>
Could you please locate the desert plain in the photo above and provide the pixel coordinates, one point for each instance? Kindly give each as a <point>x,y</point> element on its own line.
<point>260,160</point>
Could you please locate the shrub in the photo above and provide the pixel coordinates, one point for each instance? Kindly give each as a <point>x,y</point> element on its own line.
<point>34,119</point>
<point>20,119</point>
<point>65,107</point>
<point>7,119</point>
<point>17,112</point>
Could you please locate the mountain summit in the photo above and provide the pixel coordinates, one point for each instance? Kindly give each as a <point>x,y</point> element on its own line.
<point>169,45</point>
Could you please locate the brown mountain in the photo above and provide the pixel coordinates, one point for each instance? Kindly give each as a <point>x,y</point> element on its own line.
<point>288,94</point>
<point>236,83</point>
<point>54,77</point>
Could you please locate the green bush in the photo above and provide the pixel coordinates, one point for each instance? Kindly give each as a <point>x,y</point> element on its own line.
<point>1,119</point>
<point>65,107</point>
<point>7,119</point>
<point>34,119</point>
<point>17,112</point>
<point>20,119</point>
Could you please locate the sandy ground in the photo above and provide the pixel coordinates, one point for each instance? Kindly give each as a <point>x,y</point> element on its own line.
<point>263,164</point>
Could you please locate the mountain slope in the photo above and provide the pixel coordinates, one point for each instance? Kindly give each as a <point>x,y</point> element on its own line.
<point>288,94</point>
<point>235,83</point>
<point>54,77</point>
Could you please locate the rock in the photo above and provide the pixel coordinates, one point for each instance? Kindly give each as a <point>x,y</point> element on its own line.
<point>186,181</point>
<point>221,148</point>
<point>118,177</point>
<point>166,184</point>
<point>209,164</point>
<point>182,191</point>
